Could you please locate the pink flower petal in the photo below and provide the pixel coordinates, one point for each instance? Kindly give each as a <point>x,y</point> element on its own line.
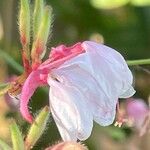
<point>32,82</point>
<point>136,107</point>
<point>59,55</point>
<point>137,110</point>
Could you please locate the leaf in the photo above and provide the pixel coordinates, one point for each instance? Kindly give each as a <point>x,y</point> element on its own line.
<point>37,128</point>
<point>10,61</point>
<point>4,146</point>
<point>4,87</point>
<point>141,2</point>
<point>16,136</point>
<point>108,4</point>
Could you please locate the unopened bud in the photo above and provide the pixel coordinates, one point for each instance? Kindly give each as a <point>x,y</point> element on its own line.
<point>16,137</point>
<point>37,128</point>
<point>24,22</point>
<point>68,146</point>
<point>39,45</point>
<point>37,16</point>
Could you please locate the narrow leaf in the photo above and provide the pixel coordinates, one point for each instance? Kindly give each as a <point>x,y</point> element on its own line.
<point>108,4</point>
<point>4,89</point>
<point>37,128</point>
<point>16,137</point>
<point>4,146</point>
<point>10,61</point>
<point>3,85</point>
<point>141,2</point>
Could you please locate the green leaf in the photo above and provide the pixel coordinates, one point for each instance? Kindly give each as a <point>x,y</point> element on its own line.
<point>3,85</point>
<point>37,128</point>
<point>141,2</point>
<point>10,61</point>
<point>116,133</point>
<point>16,136</point>
<point>108,4</point>
<point>4,146</point>
<point>4,88</point>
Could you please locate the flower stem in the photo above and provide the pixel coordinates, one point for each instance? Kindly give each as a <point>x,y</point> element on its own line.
<point>138,62</point>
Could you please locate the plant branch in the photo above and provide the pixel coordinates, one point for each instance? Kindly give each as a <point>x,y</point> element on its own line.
<point>138,62</point>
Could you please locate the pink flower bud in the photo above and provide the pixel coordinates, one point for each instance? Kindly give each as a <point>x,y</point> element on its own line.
<point>68,146</point>
<point>137,111</point>
<point>139,115</point>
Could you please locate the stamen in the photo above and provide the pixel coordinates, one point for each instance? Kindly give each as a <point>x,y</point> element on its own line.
<point>120,117</point>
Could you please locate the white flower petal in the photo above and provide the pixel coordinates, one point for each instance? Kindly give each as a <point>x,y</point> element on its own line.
<point>65,134</point>
<point>89,84</point>
<point>112,65</point>
<point>128,93</point>
<point>101,106</point>
<point>70,111</point>
<point>101,74</point>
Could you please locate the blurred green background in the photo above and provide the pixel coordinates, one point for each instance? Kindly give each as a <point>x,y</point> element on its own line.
<point>124,25</point>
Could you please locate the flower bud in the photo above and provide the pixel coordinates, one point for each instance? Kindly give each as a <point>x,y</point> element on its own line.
<point>16,137</point>
<point>68,146</point>
<point>24,23</point>
<point>37,16</point>
<point>37,128</point>
<point>39,44</point>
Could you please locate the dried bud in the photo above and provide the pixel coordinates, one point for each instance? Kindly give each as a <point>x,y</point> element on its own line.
<point>39,44</point>
<point>16,137</point>
<point>24,23</point>
<point>68,146</point>
<point>37,128</point>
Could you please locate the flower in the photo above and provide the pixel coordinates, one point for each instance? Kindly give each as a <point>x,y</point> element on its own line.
<point>85,82</point>
<point>138,115</point>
